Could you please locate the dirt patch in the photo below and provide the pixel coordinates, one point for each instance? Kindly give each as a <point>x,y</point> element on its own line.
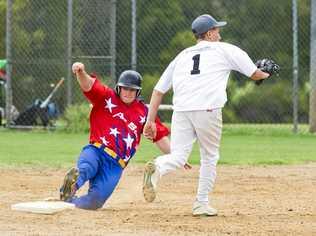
<point>274,200</point>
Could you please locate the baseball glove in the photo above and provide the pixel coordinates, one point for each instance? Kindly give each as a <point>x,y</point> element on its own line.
<point>268,66</point>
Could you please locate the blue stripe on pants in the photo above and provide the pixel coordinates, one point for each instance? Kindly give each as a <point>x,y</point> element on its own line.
<point>103,173</point>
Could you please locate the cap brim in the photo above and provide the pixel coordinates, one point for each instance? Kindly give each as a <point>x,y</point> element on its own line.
<point>220,24</point>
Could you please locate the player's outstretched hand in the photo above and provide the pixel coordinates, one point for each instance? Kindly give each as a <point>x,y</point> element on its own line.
<point>150,130</point>
<point>77,67</point>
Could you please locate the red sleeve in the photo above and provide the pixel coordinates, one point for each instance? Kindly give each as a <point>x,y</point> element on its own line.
<point>162,130</point>
<point>97,93</point>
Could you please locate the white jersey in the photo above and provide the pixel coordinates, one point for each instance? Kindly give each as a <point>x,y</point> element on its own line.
<point>199,75</point>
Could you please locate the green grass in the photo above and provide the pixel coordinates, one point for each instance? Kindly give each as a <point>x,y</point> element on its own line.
<point>39,148</point>
<point>241,144</point>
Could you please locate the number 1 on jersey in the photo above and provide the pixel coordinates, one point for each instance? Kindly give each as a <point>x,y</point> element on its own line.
<point>196,64</point>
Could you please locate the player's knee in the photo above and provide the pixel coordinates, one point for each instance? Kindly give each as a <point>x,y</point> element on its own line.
<point>97,201</point>
<point>96,204</point>
<point>91,201</point>
<point>88,162</point>
<point>87,170</point>
<point>180,159</point>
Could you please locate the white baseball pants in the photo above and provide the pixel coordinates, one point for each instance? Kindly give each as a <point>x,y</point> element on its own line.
<point>186,128</point>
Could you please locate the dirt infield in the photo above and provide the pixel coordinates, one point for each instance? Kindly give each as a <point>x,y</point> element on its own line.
<point>274,200</point>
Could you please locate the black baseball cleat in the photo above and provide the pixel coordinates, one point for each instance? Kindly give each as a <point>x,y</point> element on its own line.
<point>68,189</point>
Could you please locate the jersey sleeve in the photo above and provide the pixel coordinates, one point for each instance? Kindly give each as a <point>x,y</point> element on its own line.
<point>165,81</point>
<point>240,61</point>
<point>97,93</point>
<point>162,130</point>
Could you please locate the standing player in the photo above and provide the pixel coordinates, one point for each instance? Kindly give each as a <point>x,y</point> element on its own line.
<point>116,124</point>
<point>199,76</point>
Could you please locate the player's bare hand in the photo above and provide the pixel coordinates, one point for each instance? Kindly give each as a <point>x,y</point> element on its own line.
<point>150,130</point>
<point>77,67</point>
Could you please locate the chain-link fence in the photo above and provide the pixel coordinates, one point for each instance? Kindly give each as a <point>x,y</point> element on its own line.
<point>110,36</point>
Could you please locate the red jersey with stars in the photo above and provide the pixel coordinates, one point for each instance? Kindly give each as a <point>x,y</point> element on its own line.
<point>115,124</point>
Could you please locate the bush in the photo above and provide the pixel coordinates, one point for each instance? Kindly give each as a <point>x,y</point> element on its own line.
<point>76,118</point>
<point>269,103</point>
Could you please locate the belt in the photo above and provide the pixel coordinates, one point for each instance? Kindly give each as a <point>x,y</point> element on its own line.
<point>111,153</point>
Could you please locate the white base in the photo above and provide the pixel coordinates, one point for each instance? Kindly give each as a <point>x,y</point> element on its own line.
<point>42,207</point>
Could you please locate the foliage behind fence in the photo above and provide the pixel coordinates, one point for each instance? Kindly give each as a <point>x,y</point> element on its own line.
<point>262,28</point>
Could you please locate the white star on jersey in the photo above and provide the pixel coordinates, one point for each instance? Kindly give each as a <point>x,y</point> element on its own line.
<point>142,119</point>
<point>114,132</point>
<point>129,141</point>
<point>104,141</point>
<point>109,104</point>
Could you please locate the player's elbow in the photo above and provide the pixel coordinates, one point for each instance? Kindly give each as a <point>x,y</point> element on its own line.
<point>157,93</point>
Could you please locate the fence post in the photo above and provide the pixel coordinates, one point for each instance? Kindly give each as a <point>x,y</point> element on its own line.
<point>8,86</point>
<point>134,33</point>
<point>312,104</point>
<point>295,66</point>
<point>113,40</point>
<point>69,53</point>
